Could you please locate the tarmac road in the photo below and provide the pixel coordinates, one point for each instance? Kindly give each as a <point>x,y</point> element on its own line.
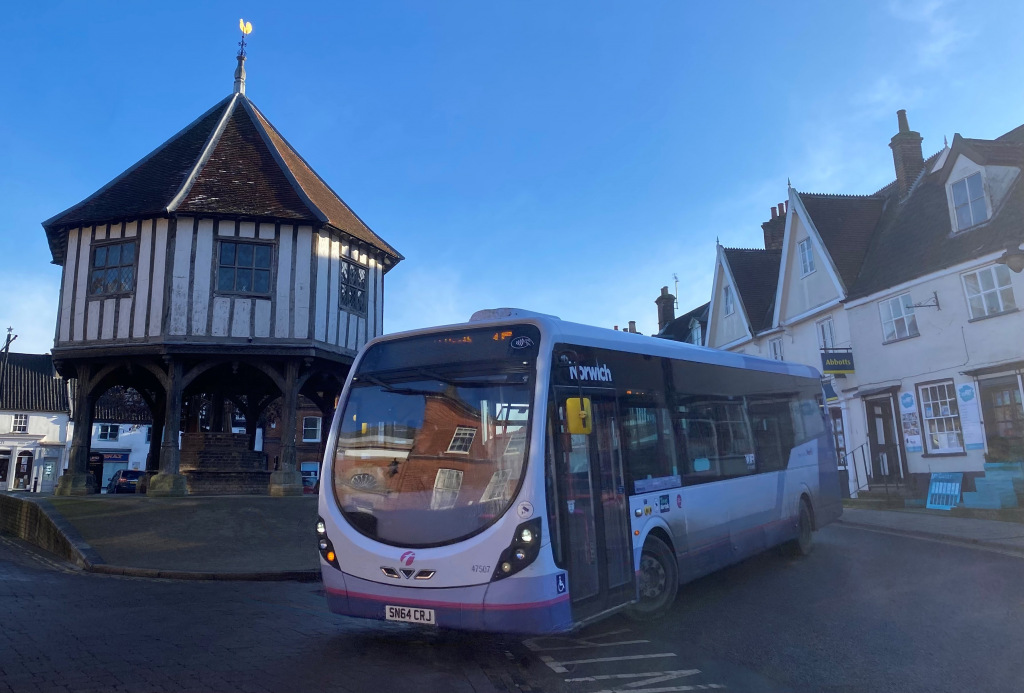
<point>867,611</point>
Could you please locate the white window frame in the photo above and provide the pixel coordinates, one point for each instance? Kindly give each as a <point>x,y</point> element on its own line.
<point>806,257</point>
<point>975,206</point>
<point>695,336</point>
<point>730,304</point>
<point>775,348</point>
<point>462,440</point>
<point>1001,293</point>
<point>20,423</point>
<point>940,418</point>
<point>447,484</point>
<point>104,431</point>
<point>826,333</point>
<point>906,317</point>
<point>305,438</point>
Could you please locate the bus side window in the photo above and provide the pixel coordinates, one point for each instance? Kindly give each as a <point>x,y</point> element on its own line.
<point>647,438</point>
<point>773,432</point>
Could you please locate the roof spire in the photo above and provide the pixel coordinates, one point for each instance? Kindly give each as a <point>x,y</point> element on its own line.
<point>945,142</point>
<point>246,28</point>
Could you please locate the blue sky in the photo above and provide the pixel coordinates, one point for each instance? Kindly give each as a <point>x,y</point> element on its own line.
<point>564,157</point>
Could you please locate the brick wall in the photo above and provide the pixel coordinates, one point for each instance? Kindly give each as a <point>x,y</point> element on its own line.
<point>27,520</point>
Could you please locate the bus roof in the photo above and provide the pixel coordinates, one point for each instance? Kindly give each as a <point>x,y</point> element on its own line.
<point>601,337</point>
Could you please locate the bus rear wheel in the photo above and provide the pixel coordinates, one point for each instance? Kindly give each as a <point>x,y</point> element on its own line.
<point>659,581</point>
<point>804,542</point>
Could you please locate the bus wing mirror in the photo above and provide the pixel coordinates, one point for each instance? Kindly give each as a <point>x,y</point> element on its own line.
<point>578,414</point>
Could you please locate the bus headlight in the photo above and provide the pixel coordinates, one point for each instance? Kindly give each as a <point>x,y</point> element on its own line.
<point>523,550</point>
<point>325,545</point>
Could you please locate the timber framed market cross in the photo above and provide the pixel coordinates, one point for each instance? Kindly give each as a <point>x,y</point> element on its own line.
<point>222,268</point>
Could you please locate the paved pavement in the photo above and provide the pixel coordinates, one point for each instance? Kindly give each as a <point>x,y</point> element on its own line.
<point>1004,536</point>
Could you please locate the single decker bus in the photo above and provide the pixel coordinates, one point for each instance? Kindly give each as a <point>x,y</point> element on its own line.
<point>520,473</point>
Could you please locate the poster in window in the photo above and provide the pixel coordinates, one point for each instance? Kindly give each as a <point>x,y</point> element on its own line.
<point>911,431</point>
<point>970,418</point>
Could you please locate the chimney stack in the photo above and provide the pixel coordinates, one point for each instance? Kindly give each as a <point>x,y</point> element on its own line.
<point>632,327</point>
<point>666,308</point>
<point>906,154</point>
<point>775,228</point>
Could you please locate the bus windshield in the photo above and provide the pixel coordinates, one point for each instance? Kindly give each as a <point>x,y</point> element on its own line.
<point>431,451</point>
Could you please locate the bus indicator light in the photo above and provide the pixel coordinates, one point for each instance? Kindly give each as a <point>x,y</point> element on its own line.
<point>330,557</point>
<point>506,567</point>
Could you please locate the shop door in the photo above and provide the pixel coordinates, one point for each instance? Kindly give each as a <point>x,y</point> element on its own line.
<point>22,470</point>
<point>883,442</point>
<point>594,510</point>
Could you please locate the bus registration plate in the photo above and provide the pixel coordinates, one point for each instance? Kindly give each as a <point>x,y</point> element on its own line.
<point>409,615</point>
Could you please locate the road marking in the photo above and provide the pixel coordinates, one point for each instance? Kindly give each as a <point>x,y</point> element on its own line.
<point>596,644</point>
<point>535,645</point>
<point>560,667</point>
<point>668,689</point>
<point>654,676</point>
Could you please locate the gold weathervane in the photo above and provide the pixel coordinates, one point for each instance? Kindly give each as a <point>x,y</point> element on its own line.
<point>246,28</point>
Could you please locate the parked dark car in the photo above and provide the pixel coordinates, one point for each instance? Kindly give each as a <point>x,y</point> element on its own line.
<point>124,481</point>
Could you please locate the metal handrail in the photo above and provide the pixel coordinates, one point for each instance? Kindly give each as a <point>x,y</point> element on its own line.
<point>850,460</point>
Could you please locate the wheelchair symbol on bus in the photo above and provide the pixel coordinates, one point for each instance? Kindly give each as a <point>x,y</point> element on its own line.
<point>560,583</point>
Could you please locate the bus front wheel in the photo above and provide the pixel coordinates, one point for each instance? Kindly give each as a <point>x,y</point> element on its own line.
<point>804,542</point>
<point>659,580</point>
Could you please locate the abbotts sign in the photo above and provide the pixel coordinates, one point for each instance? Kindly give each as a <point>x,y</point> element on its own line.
<point>837,362</point>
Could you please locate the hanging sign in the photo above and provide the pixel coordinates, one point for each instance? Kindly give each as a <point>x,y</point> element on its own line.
<point>837,362</point>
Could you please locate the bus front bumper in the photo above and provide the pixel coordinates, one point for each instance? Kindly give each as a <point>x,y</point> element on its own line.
<point>513,605</point>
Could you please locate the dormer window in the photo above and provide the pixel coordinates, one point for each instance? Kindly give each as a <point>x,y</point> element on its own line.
<point>969,202</point>
<point>730,306</point>
<point>695,336</point>
<point>806,257</point>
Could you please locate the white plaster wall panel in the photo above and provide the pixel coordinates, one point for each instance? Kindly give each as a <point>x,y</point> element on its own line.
<point>241,314</point>
<point>143,278</point>
<point>82,285</point>
<point>282,326</point>
<point>156,307</point>
<point>360,333</point>
<point>92,323</point>
<point>371,298</point>
<point>380,302</point>
<point>801,294</point>
<point>225,228</point>
<point>332,294</point>
<point>262,318</point>
<point>124,317</point>
<point>109,313</point>
<point>131,229</point>
<point>266,231</point>
<point>353,324</point>
<point>303,259</point>
<point>247,229</point>
<point>68,293</point>
<point>100,233</point>
<point>180,274</point>
<point>323,251</point>
<point>115,231</point>
<point>221,315</point>
<point>999,180</point>
<point>726,328</point>
<point>201,273</point>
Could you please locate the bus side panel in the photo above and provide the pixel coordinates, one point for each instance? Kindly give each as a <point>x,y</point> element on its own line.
<point>830,500</point>
<point>706,507</point>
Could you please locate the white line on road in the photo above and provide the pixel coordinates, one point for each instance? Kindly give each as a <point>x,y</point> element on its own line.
<point>659,676</point>
<point>536,645</point>
<point>669,689</point>
<point>596,644</point>
<point>560,667</point>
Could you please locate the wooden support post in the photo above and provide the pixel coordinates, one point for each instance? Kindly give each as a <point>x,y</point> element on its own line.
<point>77,481</point>
<point>169,482</point>
<point>287,481</point>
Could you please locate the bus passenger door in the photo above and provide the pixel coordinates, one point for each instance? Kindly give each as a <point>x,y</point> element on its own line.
<point>594,509</point>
